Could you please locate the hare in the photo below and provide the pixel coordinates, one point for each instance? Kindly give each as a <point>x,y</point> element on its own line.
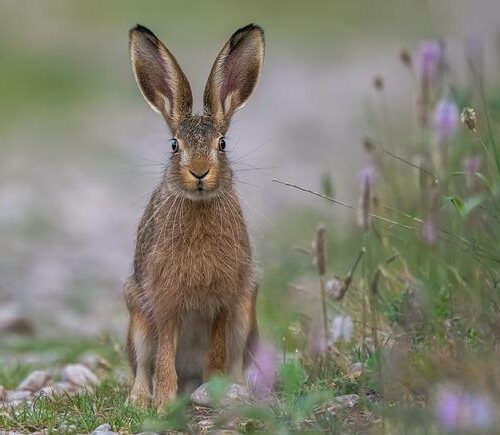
<point>192,294</point>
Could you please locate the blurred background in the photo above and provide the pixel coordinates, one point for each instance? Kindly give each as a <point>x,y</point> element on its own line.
<point>80,151</point>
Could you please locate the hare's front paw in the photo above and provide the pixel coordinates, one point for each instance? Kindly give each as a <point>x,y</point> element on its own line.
<point>140,396</point>
<point>162,398</point>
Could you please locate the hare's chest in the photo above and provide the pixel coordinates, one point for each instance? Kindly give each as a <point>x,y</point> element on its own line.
<point>208,259</point>
<point>201,259</point>
<point>201,262</point>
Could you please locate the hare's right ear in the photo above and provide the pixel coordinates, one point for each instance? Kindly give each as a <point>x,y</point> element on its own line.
<point>234,74</point>
<point>159,76</point>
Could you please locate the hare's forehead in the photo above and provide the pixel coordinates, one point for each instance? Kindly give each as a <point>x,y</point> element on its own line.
<point>197,131</point>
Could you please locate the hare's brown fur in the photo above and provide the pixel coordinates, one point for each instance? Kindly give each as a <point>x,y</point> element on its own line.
<point>193,292</point>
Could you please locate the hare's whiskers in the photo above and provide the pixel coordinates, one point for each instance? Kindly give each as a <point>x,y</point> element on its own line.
<point>229,214</point>
<point>156,211</point>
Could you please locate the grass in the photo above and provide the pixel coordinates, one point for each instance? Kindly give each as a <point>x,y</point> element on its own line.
<point>83,412</point>
<point>64,413</point>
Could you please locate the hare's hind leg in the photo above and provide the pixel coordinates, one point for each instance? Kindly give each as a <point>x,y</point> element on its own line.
<point>215,362</point>
<point>165,384</point>
<point>253,335</point>
<point>141,354</point>
<point>141,350</point>
<point>243,335</point>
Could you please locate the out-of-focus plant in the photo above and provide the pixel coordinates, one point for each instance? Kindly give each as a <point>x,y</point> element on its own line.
<point>430,281</point>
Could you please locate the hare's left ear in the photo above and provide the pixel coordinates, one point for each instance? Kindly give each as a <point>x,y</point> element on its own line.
<point>159,76</point>
<point>234,74</point>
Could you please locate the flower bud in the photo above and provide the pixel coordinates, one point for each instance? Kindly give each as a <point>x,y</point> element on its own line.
<point>469,118</point>
<point>367,178</point>
<point>445,120</point>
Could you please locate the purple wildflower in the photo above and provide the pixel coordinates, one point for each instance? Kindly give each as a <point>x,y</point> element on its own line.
<point>471,166</point>
<point>316,343</point>
<point>446,120</point>
<point>447,409</point>
<point>459,411</point>
<point>366,175</point>
<point>474,53</point>
<point>429,231</point>
<point>429,58</point>
<point>262,371</point>
<point>341,329</point>
<point>481,411</point>
<point>430,224</point>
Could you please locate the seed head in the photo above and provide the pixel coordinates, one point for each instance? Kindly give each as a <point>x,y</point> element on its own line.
<point>336,288</point>
<point>368,144</point>
<point>327,187</point>
<point>378,83</point>
<point>405,57</point>
<point>367,178</point>
<point>319,246</point>
<point>469,118</point>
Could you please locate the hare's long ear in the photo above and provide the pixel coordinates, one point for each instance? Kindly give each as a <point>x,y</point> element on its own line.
<point>234,74</point>
<point>159,76</point>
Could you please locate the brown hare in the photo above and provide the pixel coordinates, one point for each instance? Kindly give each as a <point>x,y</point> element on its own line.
<point>192,294</point>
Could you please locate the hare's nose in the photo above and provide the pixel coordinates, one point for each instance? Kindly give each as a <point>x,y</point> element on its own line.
<point>199,175</point>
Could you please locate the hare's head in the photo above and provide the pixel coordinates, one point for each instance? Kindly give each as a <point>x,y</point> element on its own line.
<point>198,166</point>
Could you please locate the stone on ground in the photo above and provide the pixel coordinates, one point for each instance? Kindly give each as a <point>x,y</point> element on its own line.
<point>13,322</point>
<point>60,388</point>
<point>233,395</point>
<point>35,381</point>
<point>103,429</point>
<point>342,403</point>
<point>18,395</point>
<point>78,374</point>
<point>95,362</point>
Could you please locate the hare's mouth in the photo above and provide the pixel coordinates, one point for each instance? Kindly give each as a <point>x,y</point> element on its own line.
<point>201,188</point>
<point>200,194</point>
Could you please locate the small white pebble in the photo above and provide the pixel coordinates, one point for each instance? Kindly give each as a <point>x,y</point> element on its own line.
<point>35,381</point>
<point>79,375</point>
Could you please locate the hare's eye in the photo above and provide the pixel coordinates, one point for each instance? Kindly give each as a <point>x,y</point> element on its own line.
<point>175,145</point>
<point>222,144</point>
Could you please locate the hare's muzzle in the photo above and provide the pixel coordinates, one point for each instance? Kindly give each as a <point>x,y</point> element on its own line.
<point>199,175</point>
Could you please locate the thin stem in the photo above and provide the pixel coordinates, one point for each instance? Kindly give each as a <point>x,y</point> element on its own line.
<point>284,350</point>
<point>485,148</point>
<point>488,122</point>
<point>462,243</point>
<point>401,159</point>
<point>456,239</point>
<point>323,307</point>
<point>363,298</point>
<point>354,266</point>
